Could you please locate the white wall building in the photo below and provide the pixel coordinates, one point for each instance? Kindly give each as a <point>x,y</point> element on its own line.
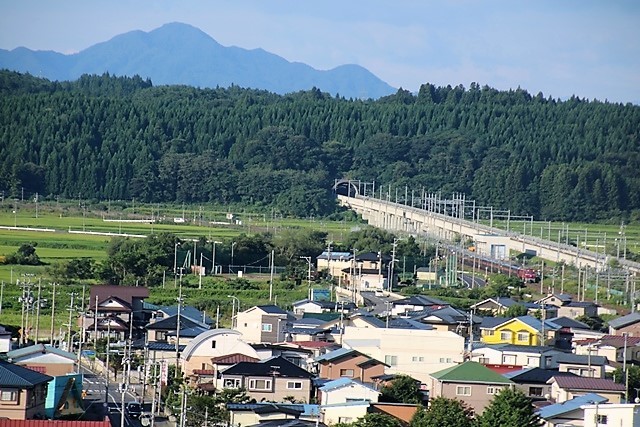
<point>414,352</point>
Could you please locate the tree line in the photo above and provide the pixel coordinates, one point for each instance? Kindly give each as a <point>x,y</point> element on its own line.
<point>122,138</point>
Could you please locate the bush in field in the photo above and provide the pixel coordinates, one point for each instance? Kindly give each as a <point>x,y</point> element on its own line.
<point>25,255</point>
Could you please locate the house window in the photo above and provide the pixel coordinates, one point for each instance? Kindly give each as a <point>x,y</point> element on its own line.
<point>483,360</point>
<point>391,360</point>
<point>535,391</point>
<point>505,335</point>
<point>417,359</point>
<point>346,373</point>
<point>213,344</point>
<point>493,390</point>
<point>463,390</point>
<point>259,384</point>
<point>267,327</point>
<point>601,419</point>
<point>523,336</point>
<point>161,335</point>
<point>446,360</point>
<point>533,361</point>
<point>232,383</point>
<point>509,359</point>
<point>8,395</point>
<point>294,385</point>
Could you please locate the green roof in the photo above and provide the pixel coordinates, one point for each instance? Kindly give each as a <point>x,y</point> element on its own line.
<point>327,317</point>
<point>470,372</point>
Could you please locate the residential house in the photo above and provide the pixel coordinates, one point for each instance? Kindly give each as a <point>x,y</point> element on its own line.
<point>515,355</point>
<point>584,365</point>
<point>186,310</point>
<point>112,308</point>
<point>556,299</point>
<point>612,347</point>
<point>348,363</point>
<point>448,319</point>
<point>470,382</point>
<point>299,356</point>
<point>403,347</point>
<point>5,340</point>
<point>569,308</point>
<point>207,380</point>
<point>368,271</point>
<point>198,354</point>
<point>308,329</point>
<point>523,330</point>
<point>629,324</point>
<point>343,390</point>
<point>22,392</point>
<point>45,359</point>
<point>309,306</point>
<point>534,381</point>
<point>569,413</point>
<point>164,329</point>
<point>263,324</point>
<point>414,303</point>
<point>578,309</point>
<point>496,306</point>
<point>569,330</point>
<point>271,380</point>
<point>260,413</point>
<point>623,414</point>
<point>347,412</point>
<point>333,262</point>
<point>565,387</point>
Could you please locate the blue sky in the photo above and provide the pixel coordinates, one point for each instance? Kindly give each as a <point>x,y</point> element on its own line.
<point>589,48</point>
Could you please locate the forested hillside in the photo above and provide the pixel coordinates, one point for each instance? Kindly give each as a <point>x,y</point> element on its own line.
<point>120,138</point>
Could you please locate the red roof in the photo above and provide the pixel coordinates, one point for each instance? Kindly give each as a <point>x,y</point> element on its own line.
<point>232,359</point>
<point>313,344</point>
<point>125,293</point>
<point>504,369</point>
<point>204,371</point>
<point>617,341</point>
<point>54,423</point>
<point>584,383</point>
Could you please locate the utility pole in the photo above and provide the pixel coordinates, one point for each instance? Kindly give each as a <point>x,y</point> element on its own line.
<point>53,310</point>
<point>69,344</point>
<point>38,303</point>
<point>271,279</point>
<point>178,330</point>
<point>200,273</point>
<point>308,259</point>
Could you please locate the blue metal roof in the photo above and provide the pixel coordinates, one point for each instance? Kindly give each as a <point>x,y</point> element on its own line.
<point>570,405</point>
<point>17,376</point>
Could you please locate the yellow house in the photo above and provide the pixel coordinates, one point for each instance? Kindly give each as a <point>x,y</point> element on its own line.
<point>523,330</point>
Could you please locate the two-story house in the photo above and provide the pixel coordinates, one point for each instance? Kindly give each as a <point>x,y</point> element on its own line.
<point>470,382</point>
<point>263,324</point>
<point>209,345</point>
<point>113,308</point>
<point>45,359</point>
<point>534,381</point>
<point>272,380</point>
<point>569,308</point>
<point>565,388</point>
<point>343,390</point>
<point>366,271</point>
<point>414,303</point>
<point>310,306</point>
<point>613,347</point>
<point>349,363</point>
<point>23,392</point>
<point>523,330</point>
<point>629,325</point>
<point>516,355</point>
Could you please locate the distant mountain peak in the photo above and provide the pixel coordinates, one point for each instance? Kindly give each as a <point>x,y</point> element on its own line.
<point>179,53</point>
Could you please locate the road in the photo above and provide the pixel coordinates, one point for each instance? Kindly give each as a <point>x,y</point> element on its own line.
<point>97,405</point>
<point>472,281</point>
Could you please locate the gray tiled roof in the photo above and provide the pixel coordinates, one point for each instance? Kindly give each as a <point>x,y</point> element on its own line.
<point>17,376</point>
<point>623,321</point>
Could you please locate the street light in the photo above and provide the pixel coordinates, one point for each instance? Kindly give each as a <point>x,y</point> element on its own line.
<point>308,259</point>
<point>233,244</point>
<point>233,308</point>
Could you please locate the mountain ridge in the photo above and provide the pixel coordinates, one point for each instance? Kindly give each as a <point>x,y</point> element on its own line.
<point>178,53</point>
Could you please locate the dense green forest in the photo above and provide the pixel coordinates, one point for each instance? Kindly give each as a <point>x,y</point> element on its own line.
<point>122,138</point>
